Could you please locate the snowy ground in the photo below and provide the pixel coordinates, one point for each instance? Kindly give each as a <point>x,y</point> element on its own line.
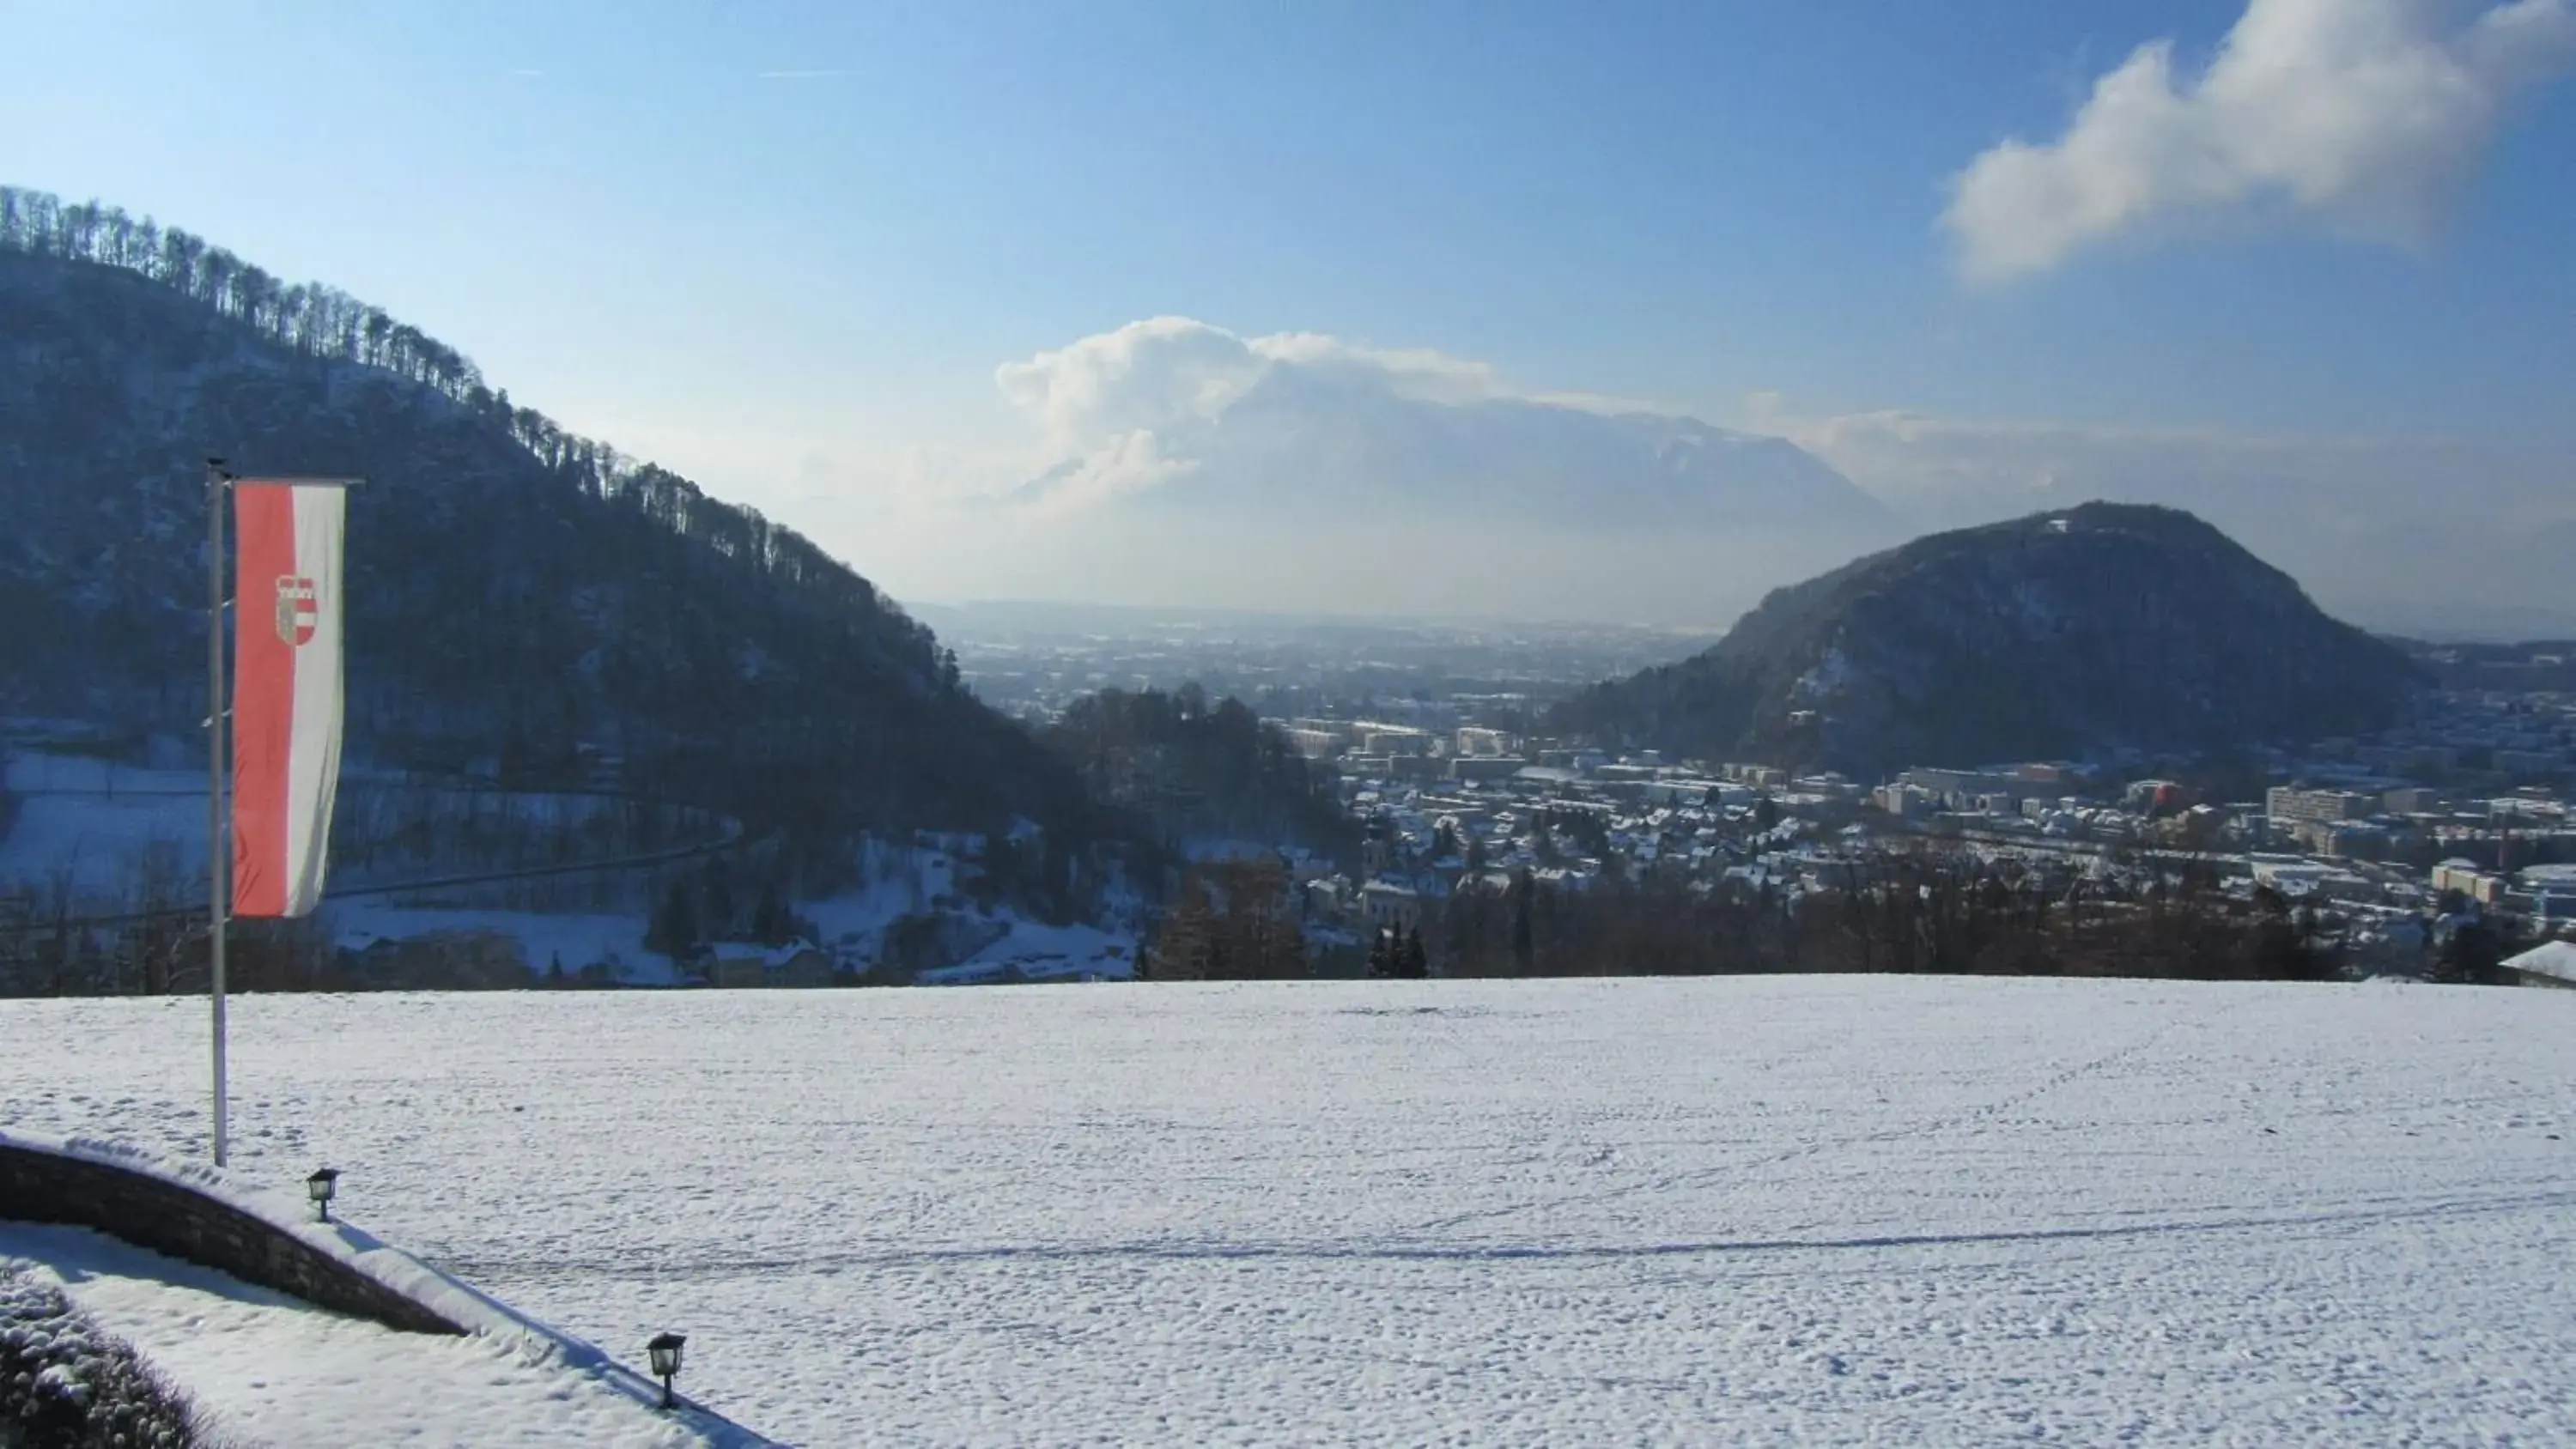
<point>1810,1210</point>
<point>122,838</point>
<point>95,827</point>
<point>545,937</point>
<point>265,1369</point>
<point>989,945</point>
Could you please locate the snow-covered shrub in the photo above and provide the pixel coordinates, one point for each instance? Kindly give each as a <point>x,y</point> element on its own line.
<point>67,1384</point>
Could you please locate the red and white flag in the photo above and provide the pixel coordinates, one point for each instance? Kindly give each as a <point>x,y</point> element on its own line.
<point>286,693</point>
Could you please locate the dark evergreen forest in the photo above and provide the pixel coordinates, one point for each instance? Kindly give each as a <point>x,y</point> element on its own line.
<point>1202,771</point>
<point>525,603</point>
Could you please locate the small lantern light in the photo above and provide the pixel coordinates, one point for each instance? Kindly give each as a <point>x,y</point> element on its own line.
<point>320,1186</point>
<point>665,1349</point>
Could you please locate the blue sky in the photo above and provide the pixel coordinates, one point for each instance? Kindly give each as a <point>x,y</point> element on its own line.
<point>786,247</point>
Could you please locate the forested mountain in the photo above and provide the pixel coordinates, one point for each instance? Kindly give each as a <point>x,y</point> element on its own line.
<point>2057,635</point>
<point>1202,773</point>
<point>520,599</point>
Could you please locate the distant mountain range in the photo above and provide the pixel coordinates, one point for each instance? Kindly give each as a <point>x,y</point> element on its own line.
<point>1298,442</point>
<point>1301,473</point>
<point>2059,635</point>
<point>521,600</point>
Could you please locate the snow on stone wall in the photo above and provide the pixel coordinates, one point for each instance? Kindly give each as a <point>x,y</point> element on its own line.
<point>205,1215</point>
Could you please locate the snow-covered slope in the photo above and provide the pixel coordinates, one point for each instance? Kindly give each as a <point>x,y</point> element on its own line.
<point>114,839</point>
<point>1761,1210</point>
<point>268,1368</point>
<point>264,1369</point>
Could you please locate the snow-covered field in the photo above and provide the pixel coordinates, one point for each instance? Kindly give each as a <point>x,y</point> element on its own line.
<point>1814,1210</point>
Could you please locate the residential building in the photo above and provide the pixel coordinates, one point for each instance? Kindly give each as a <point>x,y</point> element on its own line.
<point>796,964</point>
<point>736,964</point>
<point>1388,906</point>
<point>1392,740</point>
<point>2466,878</point>
<point>1316,744</point>
<point>2291,806</point>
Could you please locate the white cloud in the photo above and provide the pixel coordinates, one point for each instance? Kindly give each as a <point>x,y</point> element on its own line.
<point>1170,376</point>
<point>1149,376</point>
<point>1166,371</point>
<point>1122,411</point>
<point>1417,373</point>
<point>2366,115</point>
<point>1131,462</point>
<point>1186,461</point>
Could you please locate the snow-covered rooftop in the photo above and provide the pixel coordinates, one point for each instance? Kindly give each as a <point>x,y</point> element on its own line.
<point>2550,958</point>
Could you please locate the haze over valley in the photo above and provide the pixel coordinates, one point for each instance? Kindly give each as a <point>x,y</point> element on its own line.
<point>1162,723</point>
<point>2291,266</point>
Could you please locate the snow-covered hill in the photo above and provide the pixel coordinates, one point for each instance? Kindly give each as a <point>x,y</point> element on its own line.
<point>1778,1210</point>
<point>524,606</point>
<point>2063,634</point>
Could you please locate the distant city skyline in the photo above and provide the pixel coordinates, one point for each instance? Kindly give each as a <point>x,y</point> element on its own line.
<point>974,295</point>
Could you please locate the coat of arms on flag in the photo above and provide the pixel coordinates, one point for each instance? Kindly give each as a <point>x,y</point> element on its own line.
<point>299,609</point>
<point>286,707</point>
<point>286,692</point>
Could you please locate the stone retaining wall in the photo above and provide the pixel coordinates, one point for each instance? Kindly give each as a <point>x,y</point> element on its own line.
<point>150,1212</point>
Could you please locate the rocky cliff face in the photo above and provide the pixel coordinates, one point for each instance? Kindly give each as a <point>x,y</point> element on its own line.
<point>2057,635</point>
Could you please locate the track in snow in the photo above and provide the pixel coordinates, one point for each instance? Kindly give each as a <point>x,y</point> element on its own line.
<point>1748,1210</point>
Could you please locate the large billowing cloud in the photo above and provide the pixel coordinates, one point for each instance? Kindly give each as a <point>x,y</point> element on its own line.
<point>2364,115</point>
<point>1146,377</point>
<point>1130,409</point>
<point>1190,411</point>
<point>1171,370</point>
<point>1299,470</point>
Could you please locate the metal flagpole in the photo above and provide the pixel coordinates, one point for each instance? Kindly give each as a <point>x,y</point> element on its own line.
<point>218,857</point>
<point>219,842</point>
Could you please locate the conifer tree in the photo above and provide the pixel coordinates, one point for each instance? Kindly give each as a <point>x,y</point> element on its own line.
<point>770,923</point>
<point>719,919</point>
<point>675,926</point>
<point>1524,933</point>
<point>1184,948</point>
